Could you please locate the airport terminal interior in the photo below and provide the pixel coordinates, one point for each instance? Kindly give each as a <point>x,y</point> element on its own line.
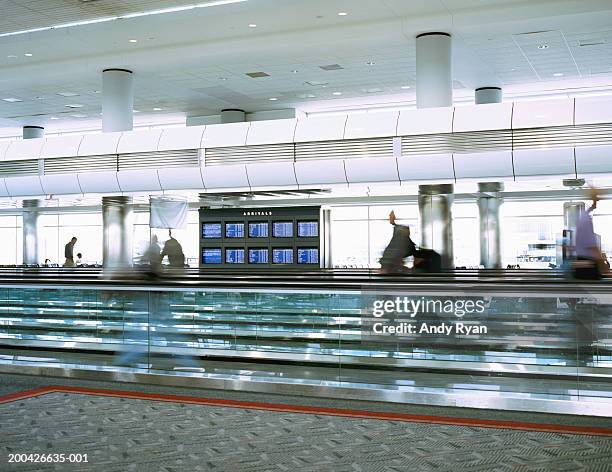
<point>319,235</point>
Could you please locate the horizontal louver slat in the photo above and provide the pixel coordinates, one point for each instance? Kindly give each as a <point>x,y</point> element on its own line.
<point>159,159</point>
<point>19,168</point>
<point>346,149</point>
<point>69,165</point>
<point>245,154</point>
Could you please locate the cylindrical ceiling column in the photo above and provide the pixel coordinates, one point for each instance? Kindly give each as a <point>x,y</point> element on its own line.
<point>117,231</point>
<point>434,72</point>
<point>232,115</point>
<point>571,214</point>
<point>32,132</point>
<point>117,100</point>
<point>435,211</point>
<point>489,202</point>
<point>30,231</point>
<point>483,95</point>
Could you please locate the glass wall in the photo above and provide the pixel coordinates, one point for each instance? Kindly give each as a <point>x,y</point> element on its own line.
<point>530,232</point>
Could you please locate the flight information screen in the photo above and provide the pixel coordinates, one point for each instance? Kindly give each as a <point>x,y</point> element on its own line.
<point>211,256</point>
<point>234,230</point>
<point>258,256</point>
<point>282,256</point>
<point>282,229</point>
<point>258,230</point>
<point>234,256</point>
<point>211,230</point>
<point>308,256</point>
<point>308,229</point>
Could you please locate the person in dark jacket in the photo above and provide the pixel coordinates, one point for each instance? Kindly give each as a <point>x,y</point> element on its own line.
<point>174,251</point>
<point>69,252</point>
<point>401,247</point>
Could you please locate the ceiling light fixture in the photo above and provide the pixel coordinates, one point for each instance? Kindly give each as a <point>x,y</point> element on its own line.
<point>336,93</point>
<point>12,100</point>
<point>157,109</point>
<point>558,74</point>
<point>28,54</point>
<point>252,25</point>
<point>405,87</point>
<point>68,94</point>
<point>272,99</point>
<point>294,71</point>
<point>74,105</point>
<point>133,40</point>
<point>342,13</point>
<point>370,63</point>
<point>54,118</point>
<point>12,56</point>
<point>123,17</point>
<point>543,46</point>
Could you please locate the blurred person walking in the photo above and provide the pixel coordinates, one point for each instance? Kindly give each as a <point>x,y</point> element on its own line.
<point>174,251</point>
<point>69,252</point>
<point>589,263</point>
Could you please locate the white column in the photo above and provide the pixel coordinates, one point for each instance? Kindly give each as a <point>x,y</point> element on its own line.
<point>117,231</point>
<point>483,95</point>
<point>489,203</point>
<point>232,115</point>
<point>31,132</point>
<point>434,74</point>
<point>117,100</point>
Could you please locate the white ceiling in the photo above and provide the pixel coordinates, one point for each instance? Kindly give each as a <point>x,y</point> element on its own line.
<point>194,62</point>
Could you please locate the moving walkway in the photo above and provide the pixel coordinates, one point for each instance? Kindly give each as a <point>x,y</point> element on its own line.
<point>547,340</point>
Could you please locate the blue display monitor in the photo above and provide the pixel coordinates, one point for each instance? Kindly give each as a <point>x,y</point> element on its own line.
<point>234,256</point>
<point>234,230</point>
<point>211,230</point>
<point>308,256</point>
<point>282,256</point>
<point>258,256</point>
<point>282,229</point>
<point>258,230</point>
<point>308,229</point>
<point>211,256</point>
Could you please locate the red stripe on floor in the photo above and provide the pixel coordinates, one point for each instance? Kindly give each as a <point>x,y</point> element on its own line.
<point>26,394</point>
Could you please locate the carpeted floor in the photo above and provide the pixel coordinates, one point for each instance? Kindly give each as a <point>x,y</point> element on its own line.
<point>129,434</point>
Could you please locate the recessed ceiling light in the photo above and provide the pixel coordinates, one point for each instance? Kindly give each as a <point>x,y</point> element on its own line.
<point>39,98</point>
<point>558,74</point>
<point>12,56</point>
<point>12,100</point>
<point>28,54</point>
<point>336,93</point>
<point>405,87</point>
<point>272,99</point>
<point>74,105</point>
<point>157,109</point>
<point>543,46</point>
<point>252,25</point>
<point>370,63</point>
<point>96,91</point>
<point>222,78</point>
<point>294,71</point>
<point>133,40</point>
<point>68,94</point>
<point>342,13</point>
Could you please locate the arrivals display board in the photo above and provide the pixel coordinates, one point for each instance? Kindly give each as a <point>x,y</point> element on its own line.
<point>252,238</point>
